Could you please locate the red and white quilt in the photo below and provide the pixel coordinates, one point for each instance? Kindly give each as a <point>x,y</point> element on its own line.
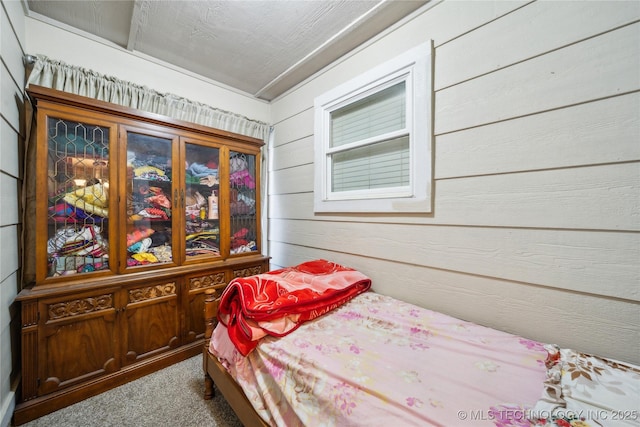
<point>278,302</point>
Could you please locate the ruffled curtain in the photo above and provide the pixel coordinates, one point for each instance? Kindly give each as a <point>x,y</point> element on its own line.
<point>81,81</point>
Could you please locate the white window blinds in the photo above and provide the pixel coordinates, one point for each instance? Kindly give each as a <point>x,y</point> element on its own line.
<point>375,115</point>
<point>370,143</point>
<point>381,165</point>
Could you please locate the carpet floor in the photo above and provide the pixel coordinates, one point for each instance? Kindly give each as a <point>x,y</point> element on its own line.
<point>166,398</point>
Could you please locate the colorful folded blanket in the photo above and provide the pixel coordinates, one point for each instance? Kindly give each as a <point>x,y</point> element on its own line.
<point>92,199</point>
<point>278,302</point>
<point>138,234</point>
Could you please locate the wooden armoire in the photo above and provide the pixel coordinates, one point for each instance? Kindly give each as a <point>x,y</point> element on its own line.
<point>131,216</point>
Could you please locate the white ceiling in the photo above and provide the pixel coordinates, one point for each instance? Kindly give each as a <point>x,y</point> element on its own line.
<point>261,47</point>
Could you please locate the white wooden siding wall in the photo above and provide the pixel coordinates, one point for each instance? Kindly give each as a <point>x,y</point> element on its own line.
<point>536,219</point>
<point>11,82</point>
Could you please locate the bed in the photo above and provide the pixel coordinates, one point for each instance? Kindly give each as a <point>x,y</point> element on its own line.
<point>313,345</point>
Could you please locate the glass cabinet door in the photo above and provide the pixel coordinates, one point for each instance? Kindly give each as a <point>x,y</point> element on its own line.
<point>242,203</point>
<point>202,214</point>
<point>77,197</point>
<point>149,199</point>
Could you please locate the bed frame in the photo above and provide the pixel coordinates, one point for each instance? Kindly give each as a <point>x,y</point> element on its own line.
<point>216,375</point>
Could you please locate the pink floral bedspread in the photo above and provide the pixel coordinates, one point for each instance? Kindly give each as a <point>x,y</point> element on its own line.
<point>377,361</point>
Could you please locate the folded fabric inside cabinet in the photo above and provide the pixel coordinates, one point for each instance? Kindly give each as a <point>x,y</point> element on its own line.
<point>93,199</point>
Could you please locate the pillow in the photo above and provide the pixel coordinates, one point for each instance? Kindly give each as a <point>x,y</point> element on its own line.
<point>589,389</point>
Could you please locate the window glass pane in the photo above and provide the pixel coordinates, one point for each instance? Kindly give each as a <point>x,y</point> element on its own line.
<point>243,219</point>
<point>78,202</point>
<point>202,213</point>
<point>149,200</point>
<point>382,165</point>
<point>374,115</point>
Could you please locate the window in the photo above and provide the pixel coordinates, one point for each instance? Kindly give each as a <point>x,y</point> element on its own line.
<point>373,139</point>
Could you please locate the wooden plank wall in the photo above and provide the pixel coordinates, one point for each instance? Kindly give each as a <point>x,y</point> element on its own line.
<point>536,220</point>
<point>12,37</point>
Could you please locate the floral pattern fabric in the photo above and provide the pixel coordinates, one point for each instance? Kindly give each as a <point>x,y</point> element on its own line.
<point>380,361</point>
<point>583,390</point>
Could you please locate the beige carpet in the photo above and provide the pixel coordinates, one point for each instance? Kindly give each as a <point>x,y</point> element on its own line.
<point>167,398</point>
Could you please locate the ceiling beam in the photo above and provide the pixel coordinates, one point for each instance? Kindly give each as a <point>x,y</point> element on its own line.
<point>382,16</point>
<point>138,22</point>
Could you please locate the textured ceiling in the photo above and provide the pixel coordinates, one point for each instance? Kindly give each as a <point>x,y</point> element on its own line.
<point>262,48</point>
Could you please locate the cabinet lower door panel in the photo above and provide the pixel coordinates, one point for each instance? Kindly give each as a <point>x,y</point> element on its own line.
<point>194,308</point>
<point>74,351</point>
<point>152,321</point>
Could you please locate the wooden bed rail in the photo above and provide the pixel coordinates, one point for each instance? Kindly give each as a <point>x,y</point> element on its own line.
<point>216,374</point>
<point>210,313</point>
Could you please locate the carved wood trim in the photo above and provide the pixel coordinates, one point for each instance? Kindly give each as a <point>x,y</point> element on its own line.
<point>249,271</point>
<point>29,364</point>
<point>207,281</point>
<point>29,314</point>
<point>152,292</point>
<point>75,307</point>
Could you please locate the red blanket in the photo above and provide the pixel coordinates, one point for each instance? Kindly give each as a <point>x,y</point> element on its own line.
<point>278,302</point>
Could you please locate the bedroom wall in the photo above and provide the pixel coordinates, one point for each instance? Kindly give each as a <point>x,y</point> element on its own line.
<point>11,78</point>
<point>536,174</point>
<point>536,218</point>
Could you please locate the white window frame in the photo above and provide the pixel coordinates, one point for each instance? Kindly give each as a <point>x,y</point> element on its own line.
<point>415,68</point>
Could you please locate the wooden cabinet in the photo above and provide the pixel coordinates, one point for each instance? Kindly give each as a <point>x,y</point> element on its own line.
<point>193,305</point>
<point>133,216</point>
<point>150,319</point>
<point>77,339</point>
